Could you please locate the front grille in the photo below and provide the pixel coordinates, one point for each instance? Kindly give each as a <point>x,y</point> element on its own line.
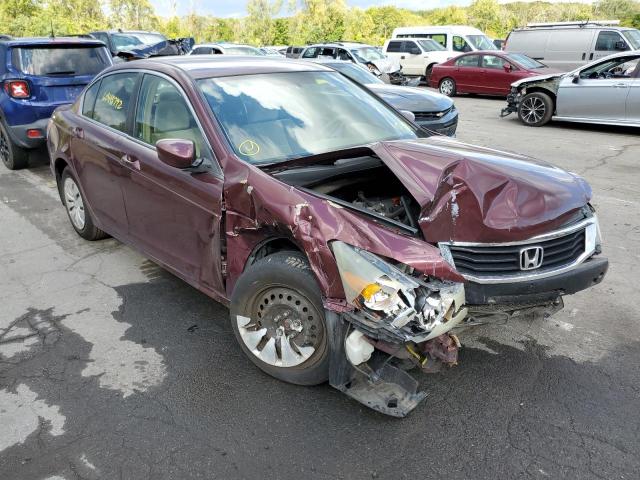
<point>429,116</point>
<point>479,260</point>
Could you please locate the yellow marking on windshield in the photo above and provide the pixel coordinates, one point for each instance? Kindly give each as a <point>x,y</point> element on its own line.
<point>249,148</point>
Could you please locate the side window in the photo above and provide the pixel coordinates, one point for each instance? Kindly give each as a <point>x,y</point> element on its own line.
<point>311,52</point>
<point>467,61</point>
<point>441,38</point>
<point>407,46</point>
<point>89,100</point>
<point>460,45</point>
<point>103,37</point>
<point>114,100</point>
<point>607,41</point>
<point>394,47</point>
<point>344,55</point>
<point>491,61</point>
<point>163,112</point>
<point>202,51</point>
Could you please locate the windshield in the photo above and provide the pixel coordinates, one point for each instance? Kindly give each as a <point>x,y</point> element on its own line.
<point>61,60</point>
<point>367,54</point>
<point>526,62</point>
<point>356,73</point>
<point>243,51</point>
<point>633,37</point>
<point>314,112</point>
<point>481,42</point>
<point>123,41</point>
<point>430,45</point>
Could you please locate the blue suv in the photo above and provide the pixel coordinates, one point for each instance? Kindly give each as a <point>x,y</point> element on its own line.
<point>36,76</point>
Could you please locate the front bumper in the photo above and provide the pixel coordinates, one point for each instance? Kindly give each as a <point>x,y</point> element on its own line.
<point>513,101</point>
<point>541,290</point>
<point>18,133</point>
<point>447,125</point>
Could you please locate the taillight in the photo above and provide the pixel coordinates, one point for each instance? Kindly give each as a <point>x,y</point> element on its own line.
<point>17,88</point>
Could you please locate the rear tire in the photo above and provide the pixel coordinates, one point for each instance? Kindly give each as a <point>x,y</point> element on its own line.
<point>427,75</point>
<point>535,109</point>
<point>277,300</point>
<point>447,87</point>
<point>75,204</point>
<point>13,156</point>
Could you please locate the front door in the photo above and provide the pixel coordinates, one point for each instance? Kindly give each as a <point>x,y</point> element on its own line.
<point>498,75</point>
<point>174,215</point>
<point>412,63</point>
<point>633,101</point>
<point>598,92</point>
<point>98,150</point>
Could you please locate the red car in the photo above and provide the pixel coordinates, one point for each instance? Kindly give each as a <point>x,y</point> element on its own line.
<point>335,230</point>
<point>487,72</point>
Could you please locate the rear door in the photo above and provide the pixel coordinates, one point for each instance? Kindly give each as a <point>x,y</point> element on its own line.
<point>394,52</point>
<point>468,74</point>
<point>57,73</point>
<point>174,215</point>
<point>96,148</point>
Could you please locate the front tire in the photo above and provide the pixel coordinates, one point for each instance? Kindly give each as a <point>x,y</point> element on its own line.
<point>535,109</point>
<point>13,156</point>
<point>75,205</point>
<point>278,319</point>
<point>447,86</point>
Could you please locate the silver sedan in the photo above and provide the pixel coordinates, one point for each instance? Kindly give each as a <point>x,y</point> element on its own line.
<point>606,91</point>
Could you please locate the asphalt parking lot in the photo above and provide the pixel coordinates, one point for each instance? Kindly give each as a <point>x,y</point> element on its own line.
<point>112,368</point>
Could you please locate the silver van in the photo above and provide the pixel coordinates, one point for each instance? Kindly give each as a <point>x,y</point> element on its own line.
<point>569,45</point>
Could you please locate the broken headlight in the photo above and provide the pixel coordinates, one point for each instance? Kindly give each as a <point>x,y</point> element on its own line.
<point>387,294</point>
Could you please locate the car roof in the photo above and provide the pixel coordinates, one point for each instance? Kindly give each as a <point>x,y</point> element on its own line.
<point>19,42</point>
<point>223,45</point>
<point>342,44</point>
<point>207,66</point>
<point>127,31</point>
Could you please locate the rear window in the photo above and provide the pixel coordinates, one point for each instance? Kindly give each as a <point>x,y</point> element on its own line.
<point>61,60</point>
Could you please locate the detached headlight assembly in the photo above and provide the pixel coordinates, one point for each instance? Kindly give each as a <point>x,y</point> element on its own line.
<point>386,294</point>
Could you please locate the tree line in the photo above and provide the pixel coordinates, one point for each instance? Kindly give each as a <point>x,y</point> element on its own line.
<point>299,22</point>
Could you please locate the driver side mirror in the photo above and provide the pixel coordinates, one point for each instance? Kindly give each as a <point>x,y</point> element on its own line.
<point>621,45</point>
<point>507,67</point>
<point>176,153</point>
<point>415,51</point>
<point>575,78</point>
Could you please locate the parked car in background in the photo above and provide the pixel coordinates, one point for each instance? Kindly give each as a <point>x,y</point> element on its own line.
<point>225,49</point>
<point>606,92</point>
<point>430,110</point>
<point>417,56</point>
<point>339,234</point>
<point>455,38</point>
<point>36,76</point>
<point>136,44</point>
<point>359,53</point>
<point>487,72</point>
<point>569,45</point>
<point>5,37</point>
<point>499,43</point>
<point>293,52</point>
<point>274,51</point>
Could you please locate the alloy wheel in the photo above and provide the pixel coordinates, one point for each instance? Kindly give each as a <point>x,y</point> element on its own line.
<point>285,329</point>
<point>73,202</point>
<point>446,87</point>
<point>533,109</point>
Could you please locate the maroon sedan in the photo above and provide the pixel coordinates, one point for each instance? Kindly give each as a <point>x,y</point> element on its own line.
<point>335,230</point>
<point>486,72</point>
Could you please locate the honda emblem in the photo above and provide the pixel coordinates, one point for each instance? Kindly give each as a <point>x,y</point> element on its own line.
<point>531,258</point>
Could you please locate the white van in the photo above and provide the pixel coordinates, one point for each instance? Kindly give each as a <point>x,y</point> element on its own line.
<point>568,45</point>
<point>416,55</point>
<point>455,38</point>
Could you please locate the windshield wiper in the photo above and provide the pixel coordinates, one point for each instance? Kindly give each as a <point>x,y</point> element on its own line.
<point>61,72</point>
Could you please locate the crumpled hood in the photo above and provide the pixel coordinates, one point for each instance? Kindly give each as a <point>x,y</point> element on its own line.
<point>470,193</point>
<point>387,65</point>
<point>412,99</point>
<point>536,78</point>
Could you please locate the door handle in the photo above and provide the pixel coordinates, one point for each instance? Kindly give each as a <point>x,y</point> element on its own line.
<point>77,132</point>
<point>621,85</point>
<point>584,55</point>
<point>591,56</point>
<point>401,57</point>
<point>130,161</point>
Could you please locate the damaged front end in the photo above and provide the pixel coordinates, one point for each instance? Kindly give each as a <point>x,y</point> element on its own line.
<point>519,89</point>
<point>394,315</point>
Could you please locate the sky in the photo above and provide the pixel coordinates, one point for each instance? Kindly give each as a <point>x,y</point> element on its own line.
<point>236,8</point>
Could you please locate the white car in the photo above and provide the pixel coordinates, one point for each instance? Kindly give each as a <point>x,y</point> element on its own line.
<point>225,48</point>
<point>417,56</point>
